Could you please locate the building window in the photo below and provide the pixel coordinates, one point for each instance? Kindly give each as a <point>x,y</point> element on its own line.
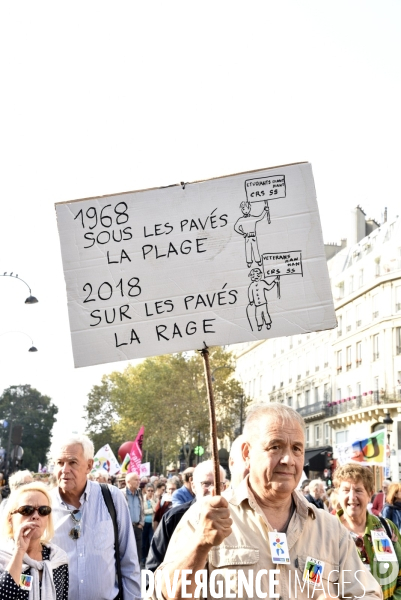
<point>316,394</point>
<point>375,306</point>
<point>307,397</point>
<point>376,346</point>
<point>340,290</point>
<point>307,437</point>
<point>349,358</point>
<point>358,360</point>
<point>326,355</point>
<point>398,340</point>
<point>298,400</point>
<point>341,437</point>
<point>351,284</point>
<point>377,267</point>
<point>327,434</point>
<point>339,325</point>
<point>318,435</point>
<point>360,278</point>
<point>339,361</point>
<point>289,400</point>
<point>327,392</point>
<point>359,314</point>
<point>349,320</point>
<point>398,297</point>
<point>339,397</point>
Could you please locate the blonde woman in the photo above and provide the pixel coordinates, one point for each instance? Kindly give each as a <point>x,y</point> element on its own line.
<point>31,567</point>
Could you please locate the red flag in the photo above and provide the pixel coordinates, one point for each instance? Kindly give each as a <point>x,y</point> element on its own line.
<point>136,453</point>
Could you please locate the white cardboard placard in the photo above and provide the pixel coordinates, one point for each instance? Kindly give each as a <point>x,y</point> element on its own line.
<point>166,270</point>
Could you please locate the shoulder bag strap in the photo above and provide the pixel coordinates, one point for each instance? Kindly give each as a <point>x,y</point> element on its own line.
<point>386,526</point>
<point>111,508</point>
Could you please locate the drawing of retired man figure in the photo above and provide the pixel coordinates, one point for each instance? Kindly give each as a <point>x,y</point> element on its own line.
<point>257,298</point>
<point>246,226</point>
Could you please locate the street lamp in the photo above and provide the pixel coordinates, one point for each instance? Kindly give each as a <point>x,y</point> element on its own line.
<point>31,299</point>
<point>32,348</point>
<point>388,422</point>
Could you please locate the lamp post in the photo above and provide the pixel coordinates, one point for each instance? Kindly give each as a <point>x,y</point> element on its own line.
<point>32,348</point>
<point>388,422</point>
<point>31,299</point>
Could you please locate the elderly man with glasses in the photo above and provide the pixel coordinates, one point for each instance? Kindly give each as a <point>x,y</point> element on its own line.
<point>84,528</point>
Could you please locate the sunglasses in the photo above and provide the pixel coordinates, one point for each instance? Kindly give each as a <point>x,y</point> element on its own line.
<point>75,532</point>
<point>28,510</point>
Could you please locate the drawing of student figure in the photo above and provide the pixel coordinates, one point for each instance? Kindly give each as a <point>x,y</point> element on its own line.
<point>246,226</point>
<point>257,297</point>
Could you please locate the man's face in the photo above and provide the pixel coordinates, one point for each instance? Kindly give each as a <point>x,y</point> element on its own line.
<point>256,275</point>
<point>318,492</point>
<point>132,482</point>
<point>275,458</point>
<point>171,487</point>
<point>71,469</point>
<point>204,487</point>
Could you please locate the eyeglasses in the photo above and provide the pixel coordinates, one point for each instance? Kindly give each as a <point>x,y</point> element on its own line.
<point>206,483</point>
<point>27,510</point>
<point>75,532</point>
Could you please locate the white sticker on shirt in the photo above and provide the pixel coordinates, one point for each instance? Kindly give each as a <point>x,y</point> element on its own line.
<point>383,546</point>
<point>279,547</point>
<point>25,582</point>
<point>313,570</point>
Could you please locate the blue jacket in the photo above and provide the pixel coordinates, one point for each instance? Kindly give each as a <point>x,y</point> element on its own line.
<point>393,512</point>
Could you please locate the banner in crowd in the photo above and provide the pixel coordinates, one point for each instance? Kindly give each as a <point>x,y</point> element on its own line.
<point>125,464</point>
<point>136,453</point>
<point>105,459</point>
<point>145,469</point>
<point>232,259</point>
<point>365,451</point>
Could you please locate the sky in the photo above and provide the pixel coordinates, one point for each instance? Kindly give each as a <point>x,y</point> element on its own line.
<point>101,97</point>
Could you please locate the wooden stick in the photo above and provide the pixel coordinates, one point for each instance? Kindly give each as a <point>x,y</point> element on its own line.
<point>212,418</point>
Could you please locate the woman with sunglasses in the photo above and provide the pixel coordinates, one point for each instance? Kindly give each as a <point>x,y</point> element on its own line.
<point>31,567</point>
<point>354,486</point>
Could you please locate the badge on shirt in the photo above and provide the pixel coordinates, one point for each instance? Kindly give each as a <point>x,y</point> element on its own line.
<point>25,582</point>
<point>279,548</point>
<point>313,570</point>
<point>383,546</point>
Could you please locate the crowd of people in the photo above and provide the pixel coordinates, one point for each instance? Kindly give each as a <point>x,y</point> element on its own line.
<point>84,536</point>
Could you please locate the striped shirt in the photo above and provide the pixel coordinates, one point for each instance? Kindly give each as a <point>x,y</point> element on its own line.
<point>91,559</point>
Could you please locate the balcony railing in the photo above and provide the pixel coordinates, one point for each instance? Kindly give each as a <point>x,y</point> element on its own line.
<point>376,398</point>
<point>313,409</point>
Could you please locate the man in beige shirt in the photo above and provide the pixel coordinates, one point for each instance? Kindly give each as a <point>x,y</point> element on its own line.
<point>229,540</point>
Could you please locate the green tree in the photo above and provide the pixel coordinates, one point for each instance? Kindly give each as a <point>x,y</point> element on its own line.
<point>24,405</point>
<point>167,394</point>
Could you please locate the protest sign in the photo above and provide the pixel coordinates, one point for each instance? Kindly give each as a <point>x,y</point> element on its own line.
<point>172,269</point>
<point>105,459</point>
<point>365,451</point>
<point>144,469</point>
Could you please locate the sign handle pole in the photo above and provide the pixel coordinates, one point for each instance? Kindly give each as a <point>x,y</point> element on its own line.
<point>212,418</point>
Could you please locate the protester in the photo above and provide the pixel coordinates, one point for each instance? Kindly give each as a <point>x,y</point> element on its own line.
<point>233,536</point>
<point>25,551</point>
<point>15,481</point>
<point>133,496</point>
<point>84,528</point>
<point>236,463</point>
<point>355,484</point>
<point>164,504</point>
<point>203,485</point>
<point>101,476</point>
<point>185,493</point>
<point>392,508</point>
<point>316,493</point>
<point>160,490</point>
<point>149,504</point>
<point>380,498</point>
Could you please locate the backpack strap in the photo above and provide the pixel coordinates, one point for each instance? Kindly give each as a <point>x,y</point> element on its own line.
<point>108,500</point>
<point>386,526</point>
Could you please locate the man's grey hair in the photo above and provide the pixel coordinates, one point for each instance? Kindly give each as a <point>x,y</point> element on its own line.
<point>274,411</point>
<point>205,468</point>
<point>19,478</point>
<point>315,483</point>
<point>86,443</point>
<point>101,473</point>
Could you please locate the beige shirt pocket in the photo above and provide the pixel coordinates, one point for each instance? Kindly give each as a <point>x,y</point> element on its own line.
<point>237,566</point>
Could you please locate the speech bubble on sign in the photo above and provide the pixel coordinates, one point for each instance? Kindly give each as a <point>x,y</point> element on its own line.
<point>261,189</point>
<point>282,263</point>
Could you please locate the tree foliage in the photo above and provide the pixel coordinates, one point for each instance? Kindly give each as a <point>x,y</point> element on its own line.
<point>167,394</point>
<point>24,405</point>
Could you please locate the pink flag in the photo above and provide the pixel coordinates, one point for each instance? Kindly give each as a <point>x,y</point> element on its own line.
<point>136,453</point>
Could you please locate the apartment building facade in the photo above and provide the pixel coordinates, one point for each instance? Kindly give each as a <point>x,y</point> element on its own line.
<point>344,381</point>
